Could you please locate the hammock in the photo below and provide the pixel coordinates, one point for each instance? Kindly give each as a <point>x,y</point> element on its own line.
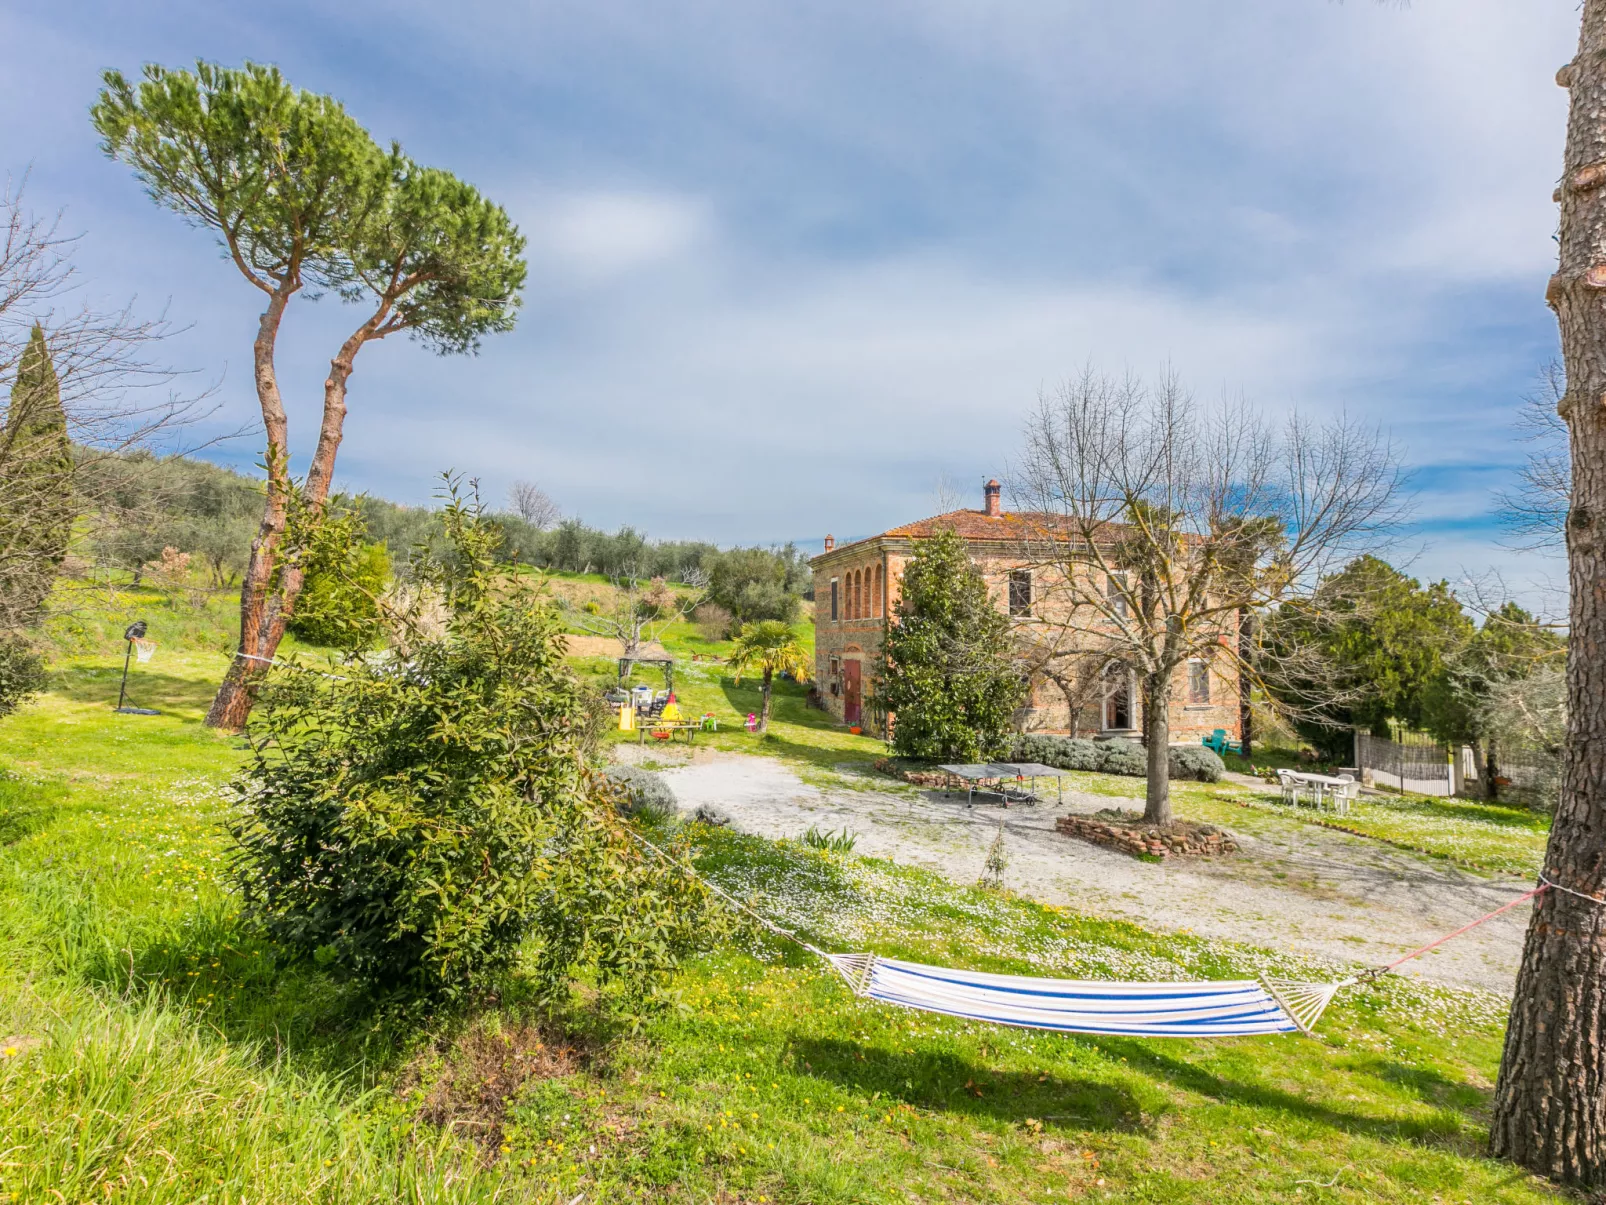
<point>1219,1008</point>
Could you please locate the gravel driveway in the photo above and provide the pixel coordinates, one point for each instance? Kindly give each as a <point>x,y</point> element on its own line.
<point>1294,886</point>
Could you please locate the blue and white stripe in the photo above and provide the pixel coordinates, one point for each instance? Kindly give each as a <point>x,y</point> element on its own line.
<point>1221,1008</point>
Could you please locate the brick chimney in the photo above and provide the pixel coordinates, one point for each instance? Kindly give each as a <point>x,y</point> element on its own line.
<point>830,543</point>
<point>990,491</point>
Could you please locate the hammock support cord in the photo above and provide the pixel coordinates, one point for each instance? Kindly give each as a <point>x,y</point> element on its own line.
<point>1199,1008</point>
<point>1378,972</point>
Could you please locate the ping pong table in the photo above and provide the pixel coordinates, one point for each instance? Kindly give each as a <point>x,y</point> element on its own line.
<point>977,775</point>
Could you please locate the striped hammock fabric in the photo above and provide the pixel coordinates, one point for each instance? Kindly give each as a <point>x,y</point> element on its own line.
<point>1212,1008</point>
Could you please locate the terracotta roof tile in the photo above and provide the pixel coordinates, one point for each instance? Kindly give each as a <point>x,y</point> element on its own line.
<point>976,525</point>
<point>979,525</point>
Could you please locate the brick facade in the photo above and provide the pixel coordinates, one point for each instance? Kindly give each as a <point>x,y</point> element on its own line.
<point>856,587</point>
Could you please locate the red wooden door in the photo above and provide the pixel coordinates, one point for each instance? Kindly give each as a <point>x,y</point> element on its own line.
<point>851,697</point>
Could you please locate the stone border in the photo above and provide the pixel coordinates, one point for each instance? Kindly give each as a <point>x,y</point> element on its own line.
<point>1181,839</point>
<point>931,779</point>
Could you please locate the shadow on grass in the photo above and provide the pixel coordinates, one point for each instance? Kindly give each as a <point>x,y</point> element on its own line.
<point>1441,1130</point>
<point>937,1080</point>
<point>162,691</point>
<point>1436,1089</point>
<point>25,807</point>
<point>210,965</point>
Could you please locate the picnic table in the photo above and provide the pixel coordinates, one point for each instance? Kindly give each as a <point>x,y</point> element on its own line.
<point>690,727</point>
<point>976,776</point>
<point>1336,790</point>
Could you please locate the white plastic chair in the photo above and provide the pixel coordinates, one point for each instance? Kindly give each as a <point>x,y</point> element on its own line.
<point>1290,786</point>
<point>1346,794</point>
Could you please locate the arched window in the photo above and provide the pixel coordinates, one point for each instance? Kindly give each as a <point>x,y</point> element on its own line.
<point>852,611</point>
<point>875,608</point>
<point>858,594</point>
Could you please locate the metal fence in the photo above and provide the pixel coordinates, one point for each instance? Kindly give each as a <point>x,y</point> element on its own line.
<point>1414,763</point>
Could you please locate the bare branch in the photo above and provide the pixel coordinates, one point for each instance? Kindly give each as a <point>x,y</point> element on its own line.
<point>534,505</point>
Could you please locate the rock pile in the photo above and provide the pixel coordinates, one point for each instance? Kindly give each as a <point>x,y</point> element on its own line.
<point>1130,835</point>
<point>920,778</point>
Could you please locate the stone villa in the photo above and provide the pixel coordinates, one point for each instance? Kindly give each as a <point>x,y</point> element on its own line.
<point>856,588</point>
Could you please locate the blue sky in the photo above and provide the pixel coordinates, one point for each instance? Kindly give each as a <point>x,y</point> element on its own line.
<point>792,263</point>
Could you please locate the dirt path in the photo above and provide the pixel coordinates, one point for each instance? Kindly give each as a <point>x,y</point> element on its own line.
<point>1294,886</point>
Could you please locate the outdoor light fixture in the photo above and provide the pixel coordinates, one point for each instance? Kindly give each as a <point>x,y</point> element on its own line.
<point>134,633</point>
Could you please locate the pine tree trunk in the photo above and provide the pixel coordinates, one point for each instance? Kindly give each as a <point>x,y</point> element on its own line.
<point>232,705</point>
<point>1550,1102</point>
<point>267,597</point>
<point>1157,738</point>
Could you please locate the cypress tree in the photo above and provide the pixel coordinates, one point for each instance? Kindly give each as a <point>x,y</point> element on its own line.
<point>947,672</point>
<point>37,506</point>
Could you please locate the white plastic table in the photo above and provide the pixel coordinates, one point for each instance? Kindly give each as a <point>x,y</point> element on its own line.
<point>1325,784</point>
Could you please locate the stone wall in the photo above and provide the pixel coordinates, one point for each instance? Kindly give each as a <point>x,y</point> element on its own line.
<point>1180,839</point>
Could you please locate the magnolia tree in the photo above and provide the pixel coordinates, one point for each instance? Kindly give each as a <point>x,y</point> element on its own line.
<point>304,201</point>
<point>1160,525</point>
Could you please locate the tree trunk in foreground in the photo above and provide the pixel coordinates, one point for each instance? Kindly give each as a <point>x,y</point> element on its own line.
<point>1246,713</point>
<point>764,704</point>
<point>1157,742</point>
<point>1550,1102</point>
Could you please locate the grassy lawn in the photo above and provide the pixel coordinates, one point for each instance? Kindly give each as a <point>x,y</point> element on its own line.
<point>1476,836</point>
<point>152,1050</point>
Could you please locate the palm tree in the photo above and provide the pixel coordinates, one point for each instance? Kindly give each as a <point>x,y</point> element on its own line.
<point>770,647</point>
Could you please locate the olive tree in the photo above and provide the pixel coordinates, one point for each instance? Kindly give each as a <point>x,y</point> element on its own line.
<point>303,202</point>
<point>1159,523</point>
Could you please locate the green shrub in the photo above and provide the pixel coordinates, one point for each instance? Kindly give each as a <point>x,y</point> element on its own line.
<point>411,823</point>
<point>22,673</point>
<point>338,605</point>
<point>644,795</point>
<point>1061,752</point>
<point>1195,762</point>
<point>1122,757</point>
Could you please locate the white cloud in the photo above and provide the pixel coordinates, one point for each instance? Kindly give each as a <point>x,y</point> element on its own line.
<point>598,237</point>
<point>788,263</point>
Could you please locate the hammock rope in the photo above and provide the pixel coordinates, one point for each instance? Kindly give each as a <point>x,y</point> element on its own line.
<point>1190,1009</point>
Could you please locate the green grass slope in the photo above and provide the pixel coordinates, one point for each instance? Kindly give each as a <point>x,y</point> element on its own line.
<point>152,1050</point>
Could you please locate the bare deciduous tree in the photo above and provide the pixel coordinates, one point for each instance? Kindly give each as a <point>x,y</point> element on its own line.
<point>638,611</point>
<point>1536,510</point>
<point>534,505</point>
<point>1161,522</point>
<point>92,369</point>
